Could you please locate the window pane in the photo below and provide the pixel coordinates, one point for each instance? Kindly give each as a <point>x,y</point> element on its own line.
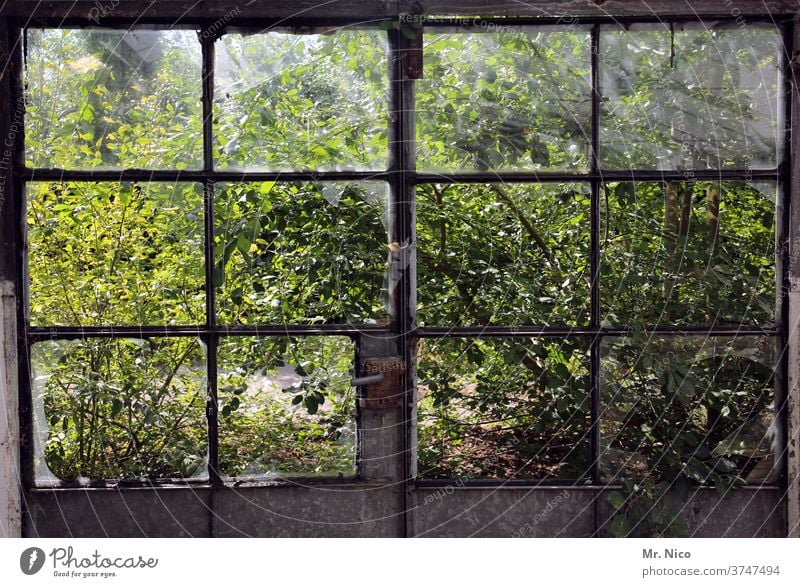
<point>704,99</point>
<point>510,99</point>
<point>503,408</point>
<point>681,253</point>
<point>119,409</point>
<point>301,252</point>
<point>286,101</point>
<point>286,407</point>
<point>115,254</point>
<point>697,407</point>
<point>113,99</point>
<point>503,253</point>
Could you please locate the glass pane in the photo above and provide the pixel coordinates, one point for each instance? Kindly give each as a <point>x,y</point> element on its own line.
<point>285,101</point>
<point>681,253</point>
<point>115,254</point>
<point>286,407</point>
<point>301,252</point>
<point>503,408</point>
<point>119,409</point>
<point>695,98</point>
<point>113,99</point>
<point>503,254</point>
<point>678,408</point>
<point>509,99</point>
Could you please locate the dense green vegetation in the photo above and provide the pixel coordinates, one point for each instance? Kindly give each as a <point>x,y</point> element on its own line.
<point>675,410</point>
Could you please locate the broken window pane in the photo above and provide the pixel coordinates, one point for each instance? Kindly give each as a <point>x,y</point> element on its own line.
<point>505,254</point>
<point>301,252</point>
<point>698,408</point>
<point>113,99</point>
<point>690,97</point>
<point>509,99</point>
<point>119,409</point>
<point>683,253</point>
<point>286,407</point>
<point>115,254</point>
<point>503,408</point>
<point>285,101</point>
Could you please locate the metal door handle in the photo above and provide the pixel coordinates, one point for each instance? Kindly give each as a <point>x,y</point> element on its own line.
<point>367,380</point>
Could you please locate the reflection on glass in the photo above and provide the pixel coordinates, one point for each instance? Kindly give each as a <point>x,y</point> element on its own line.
<point>503,408</point>
<point>119,409</point>
<point>285,101</point>
<point>690,97</point>
<point>286,407</point>
<point>680,253</point>
<point>697,408</point>
<point>512,100</point>
<point>301,252</point>
<point>115,254</point>
<point>113,99</point>
<point>505,254</point>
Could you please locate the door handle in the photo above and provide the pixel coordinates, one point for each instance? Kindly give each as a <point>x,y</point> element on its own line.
<point>367,380</point>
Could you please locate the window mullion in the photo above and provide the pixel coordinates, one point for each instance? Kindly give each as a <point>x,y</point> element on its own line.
<point>211,338</point>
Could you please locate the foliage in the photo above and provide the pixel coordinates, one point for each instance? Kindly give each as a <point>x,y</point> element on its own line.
<point>504,254</point>
<point>504,100</point>
<point>115,254</point>
<point>656,263</point>
<point>647,509</point>
<point>286,406</point>
<point>675,411</point>
<point>113,99</point>
<point>503,408</point>
<point>300,253</point>
<point>302,101</point>
<point>108,403</point>
<point>690,97</point>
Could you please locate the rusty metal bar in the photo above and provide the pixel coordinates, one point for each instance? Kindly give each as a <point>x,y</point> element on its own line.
<point>312,11</point>
<point>402,159</point>
<point>611,175</point>
<point>591,331</point>
<point>36,334</point>
<point>199,175</point>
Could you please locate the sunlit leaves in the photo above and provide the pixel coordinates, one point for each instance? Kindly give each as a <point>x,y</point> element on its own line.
<point>302,101</point>
<point>112,99</point>
<point>103,254</point>
<point>287,406</point>
<point>516,99</point>
<point>119,409</point>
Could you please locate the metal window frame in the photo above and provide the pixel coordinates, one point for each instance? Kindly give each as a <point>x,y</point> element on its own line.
<point>210,332</point>
<point>402,177</point>
<point>595,178</point>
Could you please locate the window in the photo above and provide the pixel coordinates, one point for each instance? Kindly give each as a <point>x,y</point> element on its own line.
<point>192,318</point>
<point>568,233</point>
<point>613,194</point>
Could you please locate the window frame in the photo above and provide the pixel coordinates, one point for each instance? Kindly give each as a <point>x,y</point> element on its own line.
<point>402,178</point>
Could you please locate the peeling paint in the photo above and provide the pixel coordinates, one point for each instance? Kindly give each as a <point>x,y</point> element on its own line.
<point>10,519</point>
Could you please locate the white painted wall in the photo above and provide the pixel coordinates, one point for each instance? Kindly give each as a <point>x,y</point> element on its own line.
<point>10,519</point>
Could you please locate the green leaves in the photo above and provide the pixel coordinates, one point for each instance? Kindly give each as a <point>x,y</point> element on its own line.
<point>621,527</point>
<point>300,252</point>
<point>93,101</point>
<point>115,254</point>
<point>504,100</point>
<point>296,415</point>
<point>644,509</point>
<point>296,103</point>
<point>122,409</point>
